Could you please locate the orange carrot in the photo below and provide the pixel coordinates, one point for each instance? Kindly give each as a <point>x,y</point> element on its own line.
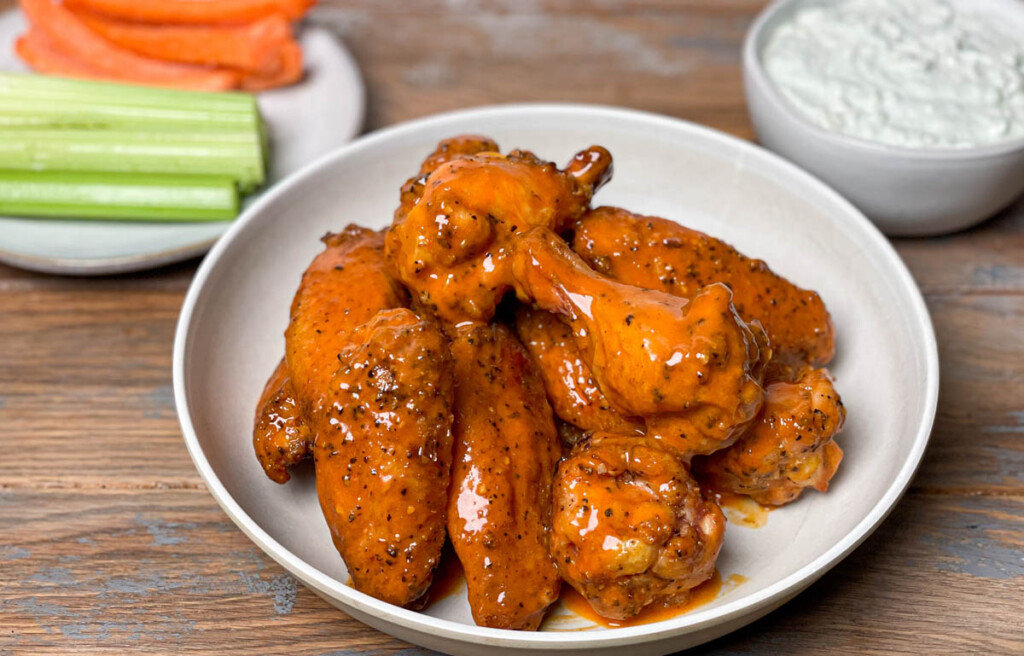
<point>192,12</point>
<point>73,38</point>
<point>254,47</point>
<point>37,51</point>
<point>291,71</point>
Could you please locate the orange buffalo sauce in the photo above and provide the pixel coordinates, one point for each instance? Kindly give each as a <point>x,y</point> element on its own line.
<point>742,510</point>
<point>448,578</point>
<point>703,594</point>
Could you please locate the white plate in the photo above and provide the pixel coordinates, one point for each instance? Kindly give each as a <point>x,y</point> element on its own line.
<point>230,337</point>
<point>305,121</point>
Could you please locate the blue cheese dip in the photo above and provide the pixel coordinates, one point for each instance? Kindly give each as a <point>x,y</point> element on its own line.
<point>908,73</point>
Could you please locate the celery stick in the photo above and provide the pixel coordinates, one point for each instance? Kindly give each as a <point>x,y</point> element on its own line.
<point>43,101</point>
<point>49,87</point>
<point>232,154</point>
<point>143,197</point>
<point>101,113</point>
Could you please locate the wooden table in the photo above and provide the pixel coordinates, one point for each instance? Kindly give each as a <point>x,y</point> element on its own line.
<point>109,542</point>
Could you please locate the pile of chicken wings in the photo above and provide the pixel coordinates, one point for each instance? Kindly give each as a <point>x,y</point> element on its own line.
<point>558,390</point>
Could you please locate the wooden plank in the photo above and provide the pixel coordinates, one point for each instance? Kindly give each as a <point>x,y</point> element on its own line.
<point>988,259</point>
<point>104,570</point>
<point>682,61</point>
<point>107,547</point>
<point>941,576</point>
<point>977,441</point>
<point>94,570</point>
<point>84,375</point>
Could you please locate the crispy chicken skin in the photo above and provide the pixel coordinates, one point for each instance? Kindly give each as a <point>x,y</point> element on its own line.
<point>630,526</point>
<point>447,150</point>
<point>383,457</point>
<point>570,385</point>
<point>660,254</point>
<point>327,306</point>
<point>343,287</point>
<point>382,444</point>
<point>280,436</point>
<point>789,447</point>
<point>452,247</point>
<point>506,450</point>
<point>691,369</point>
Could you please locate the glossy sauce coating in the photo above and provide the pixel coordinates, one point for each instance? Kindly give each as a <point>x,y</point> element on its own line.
<point>446,150</point>
<point>630,527</point>
<point>324,311</point>
<point>451,248</point>
<point>343,287</point>
<point>788,449</point>
<point>280,436</point>
<point>691,369</point>
<point>740,509</point>
<point>449,579</point>
<point>506,450</point>
<point>660,254</point>
<point>571,388</point>
<point>383,458</point>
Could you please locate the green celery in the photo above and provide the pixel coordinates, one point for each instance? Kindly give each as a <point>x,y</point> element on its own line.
<point>43,87</point>
<point>143,197</point>
<point>100,113</point>
<point>233,154</point>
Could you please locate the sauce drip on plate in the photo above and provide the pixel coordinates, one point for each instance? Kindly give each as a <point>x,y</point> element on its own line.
<point>703,594</point>
<point>742,510</point>
<point>448,578</point>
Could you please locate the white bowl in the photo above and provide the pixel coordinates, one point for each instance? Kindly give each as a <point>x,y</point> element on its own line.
<point>230,337</point>
<point>904,191</point>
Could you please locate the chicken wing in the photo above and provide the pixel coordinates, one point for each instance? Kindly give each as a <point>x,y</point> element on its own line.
<point>452,247</point>
<point>630,526</point>
<point>660,254</point>
<point>280,436</point>
<point>691,369</point>
<point>343,287</point>
<point>383,454</point>
<point>373,385</point>
<point>506,450</point>
<point>570,386</point>
<point>327,306</point>
<point>789,447</point>
<point>447,150</point>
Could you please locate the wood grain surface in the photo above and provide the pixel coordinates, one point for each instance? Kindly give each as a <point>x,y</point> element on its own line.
<point>110,543</point>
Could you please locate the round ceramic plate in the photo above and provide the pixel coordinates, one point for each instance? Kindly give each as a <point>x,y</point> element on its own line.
<point>230,338</point>
<point>305,121</point>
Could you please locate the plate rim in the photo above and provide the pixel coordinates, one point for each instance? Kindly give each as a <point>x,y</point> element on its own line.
<point>102,266</point>
<point>667,629</point>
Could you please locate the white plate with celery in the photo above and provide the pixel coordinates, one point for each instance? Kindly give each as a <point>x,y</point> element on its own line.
<point>122,178</point>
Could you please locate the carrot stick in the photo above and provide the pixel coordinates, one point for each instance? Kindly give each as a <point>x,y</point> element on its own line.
<point>291,71</point>
<point>254,47</point>
<point>37,51</point>
<point>192,12</point>
<point>73,38</point>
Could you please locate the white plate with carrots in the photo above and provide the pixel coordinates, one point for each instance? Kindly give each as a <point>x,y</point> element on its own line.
<point>303,119</point>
